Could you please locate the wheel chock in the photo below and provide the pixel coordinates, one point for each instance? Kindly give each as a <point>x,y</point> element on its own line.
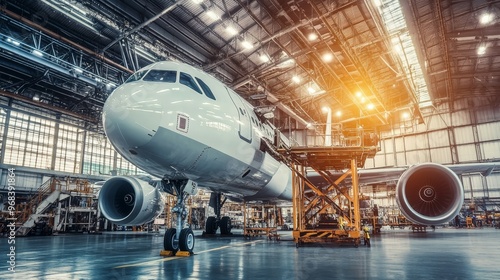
<point>183,254</point>
<point>166,253</point>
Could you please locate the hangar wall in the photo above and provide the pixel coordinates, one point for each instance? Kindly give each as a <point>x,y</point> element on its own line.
<point>32,137</point>
<point>461,136</point>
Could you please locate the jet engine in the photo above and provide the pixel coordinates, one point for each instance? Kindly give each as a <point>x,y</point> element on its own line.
<point>429,194</point>
<point>130,201</point>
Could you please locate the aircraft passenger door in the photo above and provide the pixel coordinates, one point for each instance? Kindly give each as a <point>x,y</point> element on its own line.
<point>244,117</point>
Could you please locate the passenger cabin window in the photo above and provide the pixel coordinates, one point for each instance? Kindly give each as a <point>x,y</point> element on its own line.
<point>136,76</point>
<point>206,89</point>
<point>166,76</point>
<point>187,80</point>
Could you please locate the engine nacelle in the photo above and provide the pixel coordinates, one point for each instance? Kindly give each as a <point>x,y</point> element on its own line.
<point>130,201</point>
<point>429,194</point>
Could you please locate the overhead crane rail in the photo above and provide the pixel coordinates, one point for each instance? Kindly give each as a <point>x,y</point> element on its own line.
<point>328,213</point>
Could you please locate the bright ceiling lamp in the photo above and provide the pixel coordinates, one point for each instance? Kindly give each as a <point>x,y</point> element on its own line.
<point>370,106</point>
<point>197,1</point>
<point>296,79</point>
<point>247,45</point>
<point>481,50</point>
<point>231,30</point>
<point>312,36</point>
<point>211,14</point>
<point>14,42</point>
<point>72,11</point>
<point>486,18</point>
<point>37,53</point>
<point>327,57</point>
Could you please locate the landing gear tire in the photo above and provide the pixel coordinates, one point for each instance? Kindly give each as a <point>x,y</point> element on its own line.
<point>225,225</point>
<point>186,240</point>
<point>211,225</point>
<point>169,242</point>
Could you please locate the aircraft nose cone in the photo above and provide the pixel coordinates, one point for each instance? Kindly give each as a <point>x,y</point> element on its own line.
<point>131,117</point>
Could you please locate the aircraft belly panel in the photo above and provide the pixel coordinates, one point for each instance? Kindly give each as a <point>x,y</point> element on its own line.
<point>198,162</point>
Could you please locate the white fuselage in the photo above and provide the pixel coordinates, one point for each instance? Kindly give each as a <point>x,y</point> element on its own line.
<point>177,122</point>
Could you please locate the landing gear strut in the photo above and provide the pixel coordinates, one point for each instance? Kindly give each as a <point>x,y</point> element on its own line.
<point>213,223</point>
<point>179,238</point>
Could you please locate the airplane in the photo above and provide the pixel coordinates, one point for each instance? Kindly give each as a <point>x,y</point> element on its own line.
<point>188,129</point>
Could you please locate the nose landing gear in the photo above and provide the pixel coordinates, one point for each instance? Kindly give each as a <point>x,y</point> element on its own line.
<point>180,240</point>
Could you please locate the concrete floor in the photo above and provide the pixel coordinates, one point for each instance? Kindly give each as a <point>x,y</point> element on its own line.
<point>447,253</point>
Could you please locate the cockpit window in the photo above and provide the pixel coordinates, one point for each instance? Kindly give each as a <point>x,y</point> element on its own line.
<point>136,76</point>
<point>206,89</point>
<point>161,76</point>
<point>187,80</point>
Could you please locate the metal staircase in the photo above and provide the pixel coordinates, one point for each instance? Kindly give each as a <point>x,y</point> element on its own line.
<point>51,193</point>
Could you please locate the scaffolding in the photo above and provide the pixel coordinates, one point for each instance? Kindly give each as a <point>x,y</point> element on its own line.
<point>328,213</point>
<point>261,220</point>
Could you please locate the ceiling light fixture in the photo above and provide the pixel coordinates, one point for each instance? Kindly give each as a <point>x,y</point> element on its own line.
<point>76,14</point>
<point>312,36</point>
<point>37,53</point>
<point>296,79</point>
<point>231,30</point>
<point>486,18</point>
<point>327,57</point>
<point>247,45</point>
<point>481,50</point>
<point>213,15</point>
<point>14,42</point>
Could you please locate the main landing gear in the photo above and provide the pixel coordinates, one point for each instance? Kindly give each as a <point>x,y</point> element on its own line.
<point>179,240</point>
<point>213,223</point>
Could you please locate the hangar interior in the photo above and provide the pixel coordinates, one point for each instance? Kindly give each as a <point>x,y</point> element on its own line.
<point>424,75</point>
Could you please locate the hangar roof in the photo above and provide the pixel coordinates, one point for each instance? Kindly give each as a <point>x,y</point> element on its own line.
<point>367,60</point>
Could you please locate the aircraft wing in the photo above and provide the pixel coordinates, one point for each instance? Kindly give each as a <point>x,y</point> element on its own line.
<point>387,174</point>
<point>380,175</point>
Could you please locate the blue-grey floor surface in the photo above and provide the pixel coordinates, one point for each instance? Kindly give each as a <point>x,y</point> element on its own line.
<point>446,253</point>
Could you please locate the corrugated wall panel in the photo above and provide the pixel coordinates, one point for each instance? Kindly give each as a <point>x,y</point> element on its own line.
<point>388,147</point>
<point>399,143</point>
<point>401,159</point>
<point>441,155</point>
<point>460,118</point>
<point>418,156</point>
<point>438,139</point>
<point>416,142</point>
<point>487,115</point>
<point>490,150</point>
<point>438,121</point>
<point>488,131</point>
<point>370,162</point>
<point>475,184</point>
<point>493,182</point>
<point>410,143</point>
<point>467,153</point>
<point>463,135</point>
<point>389,160</point>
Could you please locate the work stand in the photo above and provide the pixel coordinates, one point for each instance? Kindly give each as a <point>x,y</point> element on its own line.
<point>330,212</point>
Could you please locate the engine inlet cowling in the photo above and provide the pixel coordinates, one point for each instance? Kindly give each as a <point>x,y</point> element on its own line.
<point>129,201</point>
<point>429,194</point>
